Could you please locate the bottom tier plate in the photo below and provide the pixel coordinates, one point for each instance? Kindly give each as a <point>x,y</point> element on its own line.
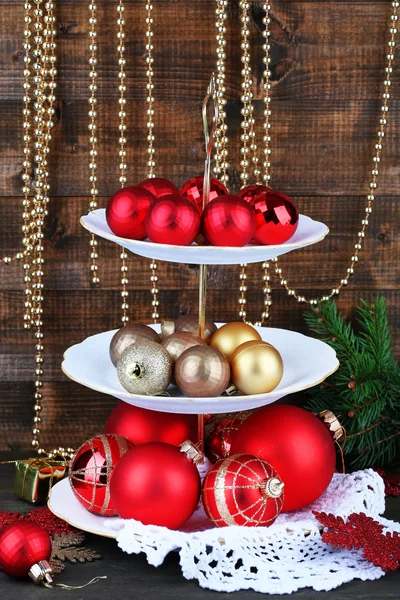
<point>307,362</point>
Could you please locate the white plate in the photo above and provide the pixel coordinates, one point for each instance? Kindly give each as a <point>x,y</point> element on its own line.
<point>308,232</point>
<point>307,362</point>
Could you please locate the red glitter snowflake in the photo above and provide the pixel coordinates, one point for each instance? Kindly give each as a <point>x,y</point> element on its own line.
<point>392,483</point>
<point>42,516</point>
<point>362,532</point>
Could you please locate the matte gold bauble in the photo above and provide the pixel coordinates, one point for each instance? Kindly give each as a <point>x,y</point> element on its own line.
<point>128,335</point>
<point>230,336</point>
<point>256,367</point>
<point>145,368</point>
<point>177,343</point>
<point>202,371</point>
<point>191,323</point>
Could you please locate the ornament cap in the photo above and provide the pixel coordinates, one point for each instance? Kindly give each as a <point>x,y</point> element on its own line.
<point>167,328</point>
<point>272,488</point>
<point>333,424</point>
<point>41,571</point>
<point>191,451</point>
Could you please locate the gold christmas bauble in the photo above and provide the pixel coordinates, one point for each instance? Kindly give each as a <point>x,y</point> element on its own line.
<point>228,337</point>
<point>180,341</point>
<point>191,323</point>
<point>256,367</point>
<point>145,368</point>
<point>202,371</point>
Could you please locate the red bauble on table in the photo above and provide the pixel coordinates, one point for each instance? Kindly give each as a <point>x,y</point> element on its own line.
<point>251,191</point>
<point>91,469</point>
<point>23,545</point>
<point>297,443</point>
<point>219,439</point>
<point>156,484</point>
<point>141,426</point>
<point>173,219</point>
<point>242,490</point>
<point>126,211</point>
<point>228,221</point>
<point>277,218</point>
<point>193,190</point>
<point>159,186</point>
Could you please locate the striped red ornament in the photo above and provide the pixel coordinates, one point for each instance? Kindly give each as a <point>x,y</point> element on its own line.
<point>242,490</point>
<point>91,469</point>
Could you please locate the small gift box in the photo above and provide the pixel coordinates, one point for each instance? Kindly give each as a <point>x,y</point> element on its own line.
<point>34,478</point>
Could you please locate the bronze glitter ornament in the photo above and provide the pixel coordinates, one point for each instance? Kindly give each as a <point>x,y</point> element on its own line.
<point>128,335</point>
<point>202,371</point>
<point>191,323</point>
<point>257,367</point>
<point>145,368</point>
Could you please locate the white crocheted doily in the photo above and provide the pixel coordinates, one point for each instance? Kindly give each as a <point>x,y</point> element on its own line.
<point>279,559</point>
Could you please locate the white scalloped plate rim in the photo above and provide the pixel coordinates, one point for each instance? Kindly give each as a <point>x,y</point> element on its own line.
<point>75,357</point>
<point>308,232</point>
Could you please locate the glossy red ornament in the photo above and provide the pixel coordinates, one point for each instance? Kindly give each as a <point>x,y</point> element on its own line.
<point>219,439</point>
<point>193,190</point>
<point>173,219</point>
<point>158,186</point>
<point>251,191</point>
<point>140,426</point>
<point>242,490</point>
<point>91,469</point>
<point>277,218</point>
<point>228,221</point>
<point>22,545</point>
<point>297,443</point>
<point>156,484</point>
<point>126,211</point>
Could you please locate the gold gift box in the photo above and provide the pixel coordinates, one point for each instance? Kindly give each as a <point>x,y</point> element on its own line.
<point>35,477</point>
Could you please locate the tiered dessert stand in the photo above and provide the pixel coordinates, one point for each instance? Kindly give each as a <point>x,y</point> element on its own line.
<point>307,361</point>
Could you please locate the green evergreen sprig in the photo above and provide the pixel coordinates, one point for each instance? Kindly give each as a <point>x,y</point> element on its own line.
<point>364,393</point>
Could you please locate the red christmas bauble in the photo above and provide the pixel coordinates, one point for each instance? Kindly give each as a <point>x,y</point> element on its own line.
<point>159,186</point>
<point>299,446</point>
<point>140,426</point>
<point>126,211</point>
<point>156,484</point>
<point>219,439</point>
<point>242,490</point>
<point>91,469</point>
<point>173,219</point>
<point>193,190</point>
<point>251,191</point>
<point>22,545</point>
<point>277,218</point>
<point>228,221</point>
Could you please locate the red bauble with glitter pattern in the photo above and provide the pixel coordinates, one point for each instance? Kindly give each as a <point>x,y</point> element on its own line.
<point>277,218</point>
<point>242,490</point>
<point>22,545</point>
<point>158,186</point>
<point>297,443</point>
<point>173,219</point>
<point>228,221</point>
<point>219,439</point>
<point>91,469</point>
<point>251,191</point>
<point>126,211</point>
<point>193,190</point>
<point>141,426</point>
<point>156,484</point>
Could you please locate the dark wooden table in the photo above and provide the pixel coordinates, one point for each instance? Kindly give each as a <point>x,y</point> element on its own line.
<point>131,577</point>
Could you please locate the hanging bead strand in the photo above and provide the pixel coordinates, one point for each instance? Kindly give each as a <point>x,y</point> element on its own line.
<point>221,134</point>
<point>93,140</point>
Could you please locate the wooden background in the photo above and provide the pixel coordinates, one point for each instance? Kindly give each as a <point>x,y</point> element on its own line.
<point>328,63</point>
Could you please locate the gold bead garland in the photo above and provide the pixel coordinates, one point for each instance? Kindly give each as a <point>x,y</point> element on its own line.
<point>221,139</point>
<point>249,144</point>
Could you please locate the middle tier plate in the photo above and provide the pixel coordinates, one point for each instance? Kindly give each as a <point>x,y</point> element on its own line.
<point>308,232</point>
<point>307,362</point>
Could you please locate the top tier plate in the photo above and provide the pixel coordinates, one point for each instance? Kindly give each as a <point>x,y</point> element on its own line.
<point>308,232</point>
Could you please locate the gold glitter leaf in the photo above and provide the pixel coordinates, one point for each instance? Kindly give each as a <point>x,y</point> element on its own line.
<point>68,546</point>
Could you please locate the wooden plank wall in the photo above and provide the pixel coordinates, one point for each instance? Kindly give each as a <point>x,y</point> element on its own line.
<point>328,61</point>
